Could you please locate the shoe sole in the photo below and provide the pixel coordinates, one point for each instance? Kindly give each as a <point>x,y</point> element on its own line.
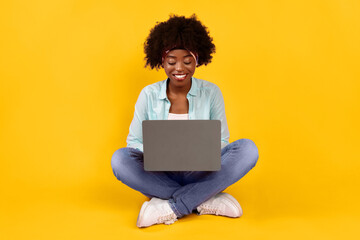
<point>140,216</point>
<point>234,201</point>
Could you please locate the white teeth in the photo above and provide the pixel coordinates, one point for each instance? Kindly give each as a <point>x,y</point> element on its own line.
<point>180,76</point>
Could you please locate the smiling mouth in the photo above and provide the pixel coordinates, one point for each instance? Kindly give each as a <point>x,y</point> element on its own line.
<point>180,76</point>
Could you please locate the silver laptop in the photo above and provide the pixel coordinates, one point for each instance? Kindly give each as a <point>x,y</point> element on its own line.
<point>182,145</point>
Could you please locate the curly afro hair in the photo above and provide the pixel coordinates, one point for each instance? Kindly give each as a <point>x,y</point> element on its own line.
<point>178,32</point>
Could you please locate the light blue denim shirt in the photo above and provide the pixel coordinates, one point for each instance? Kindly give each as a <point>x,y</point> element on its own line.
<point>205,102</point>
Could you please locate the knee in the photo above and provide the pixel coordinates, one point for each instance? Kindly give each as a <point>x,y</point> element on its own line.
<point>118,161</point>
<point>249,150</point>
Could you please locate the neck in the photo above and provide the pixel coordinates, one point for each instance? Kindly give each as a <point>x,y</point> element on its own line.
<point>177,90</point>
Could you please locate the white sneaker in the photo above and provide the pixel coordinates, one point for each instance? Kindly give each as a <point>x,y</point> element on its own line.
<point>221,204</point>
<point>155,211</point>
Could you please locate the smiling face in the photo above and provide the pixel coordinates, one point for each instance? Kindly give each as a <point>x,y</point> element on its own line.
<point>179,66</point>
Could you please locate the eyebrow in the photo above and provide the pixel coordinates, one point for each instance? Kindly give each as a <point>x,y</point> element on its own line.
<point>169,56</point>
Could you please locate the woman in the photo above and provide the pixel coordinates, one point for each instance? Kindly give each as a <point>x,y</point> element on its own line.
<point>179,45</point>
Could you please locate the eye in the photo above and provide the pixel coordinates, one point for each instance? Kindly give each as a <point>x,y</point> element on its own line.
<point>187,63</point>
<point>171,63</point>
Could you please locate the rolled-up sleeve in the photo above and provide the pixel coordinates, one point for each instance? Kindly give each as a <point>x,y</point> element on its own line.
<point>135,139</point>
<point>217,112</point>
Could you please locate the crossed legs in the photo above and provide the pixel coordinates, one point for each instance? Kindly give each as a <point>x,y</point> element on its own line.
<point>185,190</point>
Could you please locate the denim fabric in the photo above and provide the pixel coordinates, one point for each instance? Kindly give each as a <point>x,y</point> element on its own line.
<point>185,190</point>
<point>205,102</point>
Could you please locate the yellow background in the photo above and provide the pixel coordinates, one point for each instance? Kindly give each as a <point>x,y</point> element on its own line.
<point>71,72</point>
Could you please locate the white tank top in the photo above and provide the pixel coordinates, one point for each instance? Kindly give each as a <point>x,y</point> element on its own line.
<point>173,116</point>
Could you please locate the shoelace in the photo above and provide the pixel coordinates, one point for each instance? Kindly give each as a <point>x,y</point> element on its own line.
<point>167,219</point>
<point>208,210</point>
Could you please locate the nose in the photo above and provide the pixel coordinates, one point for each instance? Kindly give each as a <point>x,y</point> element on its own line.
<point>179,67</point>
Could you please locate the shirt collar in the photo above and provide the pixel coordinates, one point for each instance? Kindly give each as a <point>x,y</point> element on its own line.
<point>192,91</point>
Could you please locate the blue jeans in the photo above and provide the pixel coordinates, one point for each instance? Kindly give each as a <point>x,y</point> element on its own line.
<point>185,190</point>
